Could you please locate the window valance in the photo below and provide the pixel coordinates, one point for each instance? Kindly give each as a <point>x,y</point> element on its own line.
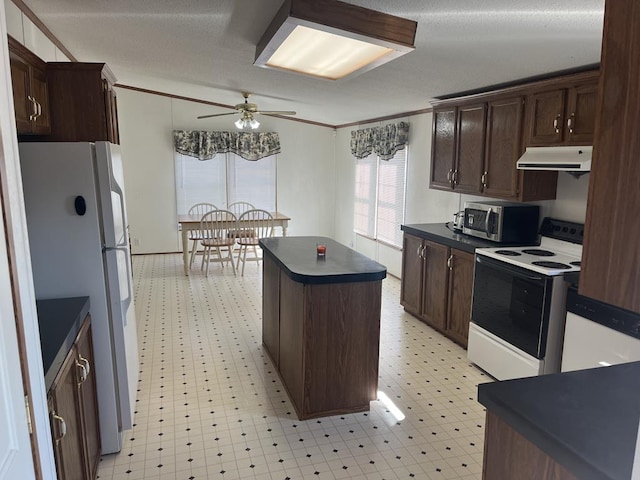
<point>385,140</point>
<point>205,145</point>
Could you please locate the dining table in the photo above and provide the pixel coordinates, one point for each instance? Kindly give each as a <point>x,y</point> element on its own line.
<point>188,223</point>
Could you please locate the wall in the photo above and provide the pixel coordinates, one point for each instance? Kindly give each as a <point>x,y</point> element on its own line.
<point>305,168</point>
<point>25,32</point>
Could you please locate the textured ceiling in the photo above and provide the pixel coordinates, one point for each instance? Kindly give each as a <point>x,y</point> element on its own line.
<point>205,49</point>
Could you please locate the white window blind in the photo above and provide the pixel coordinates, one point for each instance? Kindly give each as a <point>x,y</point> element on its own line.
<point>391,197</point>
<point>253,182</point>
<point>198,181</point>
<point>380,197</point>
<point>365,196</point>
<point>225,179</point>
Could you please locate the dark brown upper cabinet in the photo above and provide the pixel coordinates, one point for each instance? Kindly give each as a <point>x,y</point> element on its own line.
<point>30,92</point>
<point>564,115</point>
<point>458,144</point>
<point>83,102</point>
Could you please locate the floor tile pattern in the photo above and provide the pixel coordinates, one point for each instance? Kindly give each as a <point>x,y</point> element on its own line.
<point>211,406</point>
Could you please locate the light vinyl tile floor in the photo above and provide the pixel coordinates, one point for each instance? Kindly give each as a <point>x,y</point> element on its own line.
<point>210,404</point>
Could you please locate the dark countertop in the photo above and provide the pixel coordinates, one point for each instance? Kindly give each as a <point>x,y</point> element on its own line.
<point>59,320</point>
<point>586,420</point>
<point>297,257</point>
<point>439,233</point>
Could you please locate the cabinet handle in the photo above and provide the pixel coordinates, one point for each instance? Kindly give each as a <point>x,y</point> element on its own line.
<point>86,363</point>
<point>454,177</point>
<point>63,426</point>
<point>450,176</point>
<point>83,375</point>
<point>34,110</point>
<point>570,122</point>
<point>483,179</point>
<point>39,108</point>
<point>450,262</point>
<point>556,124</point>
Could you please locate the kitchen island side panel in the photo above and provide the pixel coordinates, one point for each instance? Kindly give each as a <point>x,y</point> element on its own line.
<point>292,340</point>
<point>342,338</point>
<point>271,309</point>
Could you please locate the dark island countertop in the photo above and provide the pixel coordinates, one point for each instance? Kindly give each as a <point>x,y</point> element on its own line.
<point>297,257</point>
<point>440,233</point>
<point>585,420</point>
<point>59,320</point>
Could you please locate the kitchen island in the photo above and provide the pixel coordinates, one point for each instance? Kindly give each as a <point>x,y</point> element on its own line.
<point>566,426</point>
<point>321,323</point>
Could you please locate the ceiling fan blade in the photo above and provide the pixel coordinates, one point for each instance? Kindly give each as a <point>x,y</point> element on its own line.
<point>276,112</point>
<point>217,115</point>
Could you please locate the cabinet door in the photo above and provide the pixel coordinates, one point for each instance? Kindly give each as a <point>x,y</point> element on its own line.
<point>89,400</point>
<point>24,108</point>
<point>611,256</point>
<point>503,147</point>
<point>460,287</point>
<point>412,266</point>
<point>470,148</point>
<point>443,148</point>
<point>581,114</point>
<point>434,292</point>
<point>42,123</point>
<point>65,422</point>
<point>546,113</point>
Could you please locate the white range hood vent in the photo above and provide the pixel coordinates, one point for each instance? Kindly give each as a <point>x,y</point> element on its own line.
<point>567,159</point>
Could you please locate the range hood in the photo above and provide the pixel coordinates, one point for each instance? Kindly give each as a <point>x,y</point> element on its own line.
<point>568,159</point>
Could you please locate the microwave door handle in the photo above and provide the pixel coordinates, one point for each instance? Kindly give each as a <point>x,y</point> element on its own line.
<point>502,266</point>
<point>486,222</point>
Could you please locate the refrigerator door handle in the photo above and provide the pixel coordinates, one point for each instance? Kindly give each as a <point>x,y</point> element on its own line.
<point>124,249</point>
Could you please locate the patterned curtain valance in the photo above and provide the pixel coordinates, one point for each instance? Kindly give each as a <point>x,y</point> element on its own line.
<point>205,145</point>
<point>385,141</point>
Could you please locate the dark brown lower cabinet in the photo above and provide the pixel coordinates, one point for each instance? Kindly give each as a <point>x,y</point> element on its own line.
<point>508,455</point>
<point>436,286</point>
<point>73,410</point>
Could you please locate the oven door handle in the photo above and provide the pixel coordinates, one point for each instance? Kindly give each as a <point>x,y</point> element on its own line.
<point>513,271</point>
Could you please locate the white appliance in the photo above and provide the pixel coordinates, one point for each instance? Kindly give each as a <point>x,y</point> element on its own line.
<point>77,226</point>
<point>598,334</point>
<point>567,159</point>
<point>518,306</point>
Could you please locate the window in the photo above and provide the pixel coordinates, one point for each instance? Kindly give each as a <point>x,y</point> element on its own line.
<point>225,179</point>
<point>380,197</point>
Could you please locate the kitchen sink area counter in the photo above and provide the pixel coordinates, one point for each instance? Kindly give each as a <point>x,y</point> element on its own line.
<point>585,422</point>
<point>59,320</point>
<point>321,323</point>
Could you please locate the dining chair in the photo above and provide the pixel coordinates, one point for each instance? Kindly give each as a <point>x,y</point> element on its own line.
<point>256,224</point>
<point>198,209</point>
<point>214,227</point>
<point>238,208</point>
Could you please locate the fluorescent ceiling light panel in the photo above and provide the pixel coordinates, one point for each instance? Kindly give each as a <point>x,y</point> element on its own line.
<point>332,39</point>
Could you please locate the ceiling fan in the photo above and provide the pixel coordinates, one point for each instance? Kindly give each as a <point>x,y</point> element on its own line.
<point>248,110</point>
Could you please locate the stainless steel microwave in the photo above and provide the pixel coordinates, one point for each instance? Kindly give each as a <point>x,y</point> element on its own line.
<point>504,222</point>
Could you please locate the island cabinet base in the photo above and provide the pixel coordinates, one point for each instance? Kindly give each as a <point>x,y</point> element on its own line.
<point>509,455</point>
<point>324,340</point>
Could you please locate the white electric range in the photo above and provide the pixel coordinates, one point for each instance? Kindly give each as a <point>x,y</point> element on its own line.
<point>519,303</point>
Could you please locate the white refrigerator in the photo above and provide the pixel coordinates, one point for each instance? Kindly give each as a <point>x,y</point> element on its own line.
<point>77,227</point>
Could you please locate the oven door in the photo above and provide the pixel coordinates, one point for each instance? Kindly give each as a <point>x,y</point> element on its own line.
<point>512,303</point>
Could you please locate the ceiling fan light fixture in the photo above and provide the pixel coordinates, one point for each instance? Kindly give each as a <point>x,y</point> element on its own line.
<point>332,40</point>
<point>246,122</point>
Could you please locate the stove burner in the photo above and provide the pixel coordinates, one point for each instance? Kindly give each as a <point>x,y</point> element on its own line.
<point>509,253</point>
<point>557,265</point>
<point>538,252</point>
<point>576,264</point>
